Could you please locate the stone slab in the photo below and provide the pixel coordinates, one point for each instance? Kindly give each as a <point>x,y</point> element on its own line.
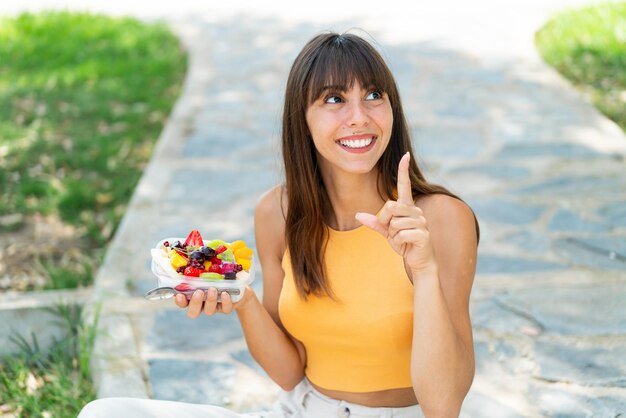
<point>491,315</point>
<point>504,211</point>
<point>606,253</point>
<point>566,220</point>
<point>479,405</point>
<point>216,189</point>
<point>529,241</point>
<point>445,142</point>
<point>27,316</point>
<point>502,172</point>
<point>493,264</point>
<point>174,332</point>
<point>595,186</point>
<point>561,403</point>
<point>614,213</point>
<point>551,150</point>
<point>569,363</point>
<point>598,310</point>
<point>192,381</point>
<point>496,357</point>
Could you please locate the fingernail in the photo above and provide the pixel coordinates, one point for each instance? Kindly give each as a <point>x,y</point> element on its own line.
<point>213,292</point>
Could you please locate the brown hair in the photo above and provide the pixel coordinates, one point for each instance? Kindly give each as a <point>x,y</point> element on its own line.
<point>340,60</point>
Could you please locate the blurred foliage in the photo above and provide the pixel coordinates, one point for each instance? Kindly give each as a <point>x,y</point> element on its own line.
<point>83,99</point>
<point>588,46</point>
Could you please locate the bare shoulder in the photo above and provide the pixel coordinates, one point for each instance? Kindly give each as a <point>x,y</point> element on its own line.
<point>452,230</point>
<point>271,205</point>
<point>269,232</point>
<point>447,215</point>
<point>269,220</point>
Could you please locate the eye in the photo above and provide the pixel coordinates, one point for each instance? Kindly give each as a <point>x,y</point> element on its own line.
<point>332,99</point>
<point>375,95</point>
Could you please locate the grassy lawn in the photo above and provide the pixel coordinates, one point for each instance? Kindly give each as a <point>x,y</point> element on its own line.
<point>83,99</point>
<point>588,46</point>
<point>52,383</point>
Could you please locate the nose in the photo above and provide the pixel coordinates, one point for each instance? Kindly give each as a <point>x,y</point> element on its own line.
<point>357,114</point>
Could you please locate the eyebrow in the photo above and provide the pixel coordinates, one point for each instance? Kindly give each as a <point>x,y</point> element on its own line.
<point>343,88</point>
<point>335,87</point>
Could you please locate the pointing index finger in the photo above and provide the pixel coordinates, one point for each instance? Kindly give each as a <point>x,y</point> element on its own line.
<point>404,183</point>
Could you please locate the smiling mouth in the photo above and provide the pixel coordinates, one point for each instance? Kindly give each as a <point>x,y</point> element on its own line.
<point>356,143</point>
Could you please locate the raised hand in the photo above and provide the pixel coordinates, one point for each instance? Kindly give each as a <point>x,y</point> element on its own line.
<point>403,225</point>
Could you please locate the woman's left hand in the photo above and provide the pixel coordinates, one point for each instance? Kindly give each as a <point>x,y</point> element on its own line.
<point>404,226</point>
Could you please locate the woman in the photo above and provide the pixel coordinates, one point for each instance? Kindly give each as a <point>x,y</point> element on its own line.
<point>367,267</point>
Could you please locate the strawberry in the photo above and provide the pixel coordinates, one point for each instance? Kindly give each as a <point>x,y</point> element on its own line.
<point>194,239</point>
<point>193,271</point>
<point>221,249</point>
<point>215,268</point>
<point>215,260</point>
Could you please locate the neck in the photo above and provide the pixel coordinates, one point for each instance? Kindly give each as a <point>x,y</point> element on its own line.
<point>351,193</point>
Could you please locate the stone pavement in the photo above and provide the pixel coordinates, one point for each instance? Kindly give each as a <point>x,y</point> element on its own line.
<point>542,168</point>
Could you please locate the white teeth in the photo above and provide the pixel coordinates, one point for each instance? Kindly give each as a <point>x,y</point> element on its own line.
<point>358,143</point>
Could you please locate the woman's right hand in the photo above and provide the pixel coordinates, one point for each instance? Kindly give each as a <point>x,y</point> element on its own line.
<point>197,304</point>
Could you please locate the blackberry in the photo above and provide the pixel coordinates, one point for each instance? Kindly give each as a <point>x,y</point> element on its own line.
<point>197,255</point>
<point>231,275</point>
<point>208,252</point>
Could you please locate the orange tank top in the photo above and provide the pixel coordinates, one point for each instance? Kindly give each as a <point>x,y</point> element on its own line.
<point>362,341</point>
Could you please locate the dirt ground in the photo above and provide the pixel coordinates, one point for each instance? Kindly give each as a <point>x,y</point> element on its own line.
<point>37,241</point>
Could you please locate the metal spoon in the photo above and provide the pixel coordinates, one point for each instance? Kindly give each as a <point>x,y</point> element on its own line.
<point>161,293</point>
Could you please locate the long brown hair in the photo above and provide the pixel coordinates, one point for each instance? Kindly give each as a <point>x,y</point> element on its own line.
<point>340,60</point>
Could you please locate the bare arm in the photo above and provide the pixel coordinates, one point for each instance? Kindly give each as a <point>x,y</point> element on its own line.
<point>270,345</point>
<point>440,259</point>
<point>442,360</point>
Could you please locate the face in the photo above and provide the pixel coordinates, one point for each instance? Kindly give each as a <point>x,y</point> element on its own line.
<point>351,128</point>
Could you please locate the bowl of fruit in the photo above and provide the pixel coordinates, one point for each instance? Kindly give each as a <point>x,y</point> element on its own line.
<point>185,265</point>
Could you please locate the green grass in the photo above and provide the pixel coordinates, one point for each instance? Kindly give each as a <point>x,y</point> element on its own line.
<point>54,382</point>
<point>83,99</point>
<point>588,46</point>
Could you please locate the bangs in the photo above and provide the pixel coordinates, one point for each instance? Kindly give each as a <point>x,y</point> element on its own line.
<point>341,62</point>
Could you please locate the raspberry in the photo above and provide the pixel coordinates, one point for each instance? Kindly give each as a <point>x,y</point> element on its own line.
<point>216,260</point>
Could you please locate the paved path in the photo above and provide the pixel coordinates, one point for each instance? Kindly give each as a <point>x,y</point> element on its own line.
<point>543,170</point>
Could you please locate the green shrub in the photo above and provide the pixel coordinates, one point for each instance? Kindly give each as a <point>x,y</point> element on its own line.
<point>588,46</point>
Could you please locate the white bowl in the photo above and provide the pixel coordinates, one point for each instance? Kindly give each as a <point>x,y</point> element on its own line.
<point>168,277</point>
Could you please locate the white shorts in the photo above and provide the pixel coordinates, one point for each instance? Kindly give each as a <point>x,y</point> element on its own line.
<point>302,402</point>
